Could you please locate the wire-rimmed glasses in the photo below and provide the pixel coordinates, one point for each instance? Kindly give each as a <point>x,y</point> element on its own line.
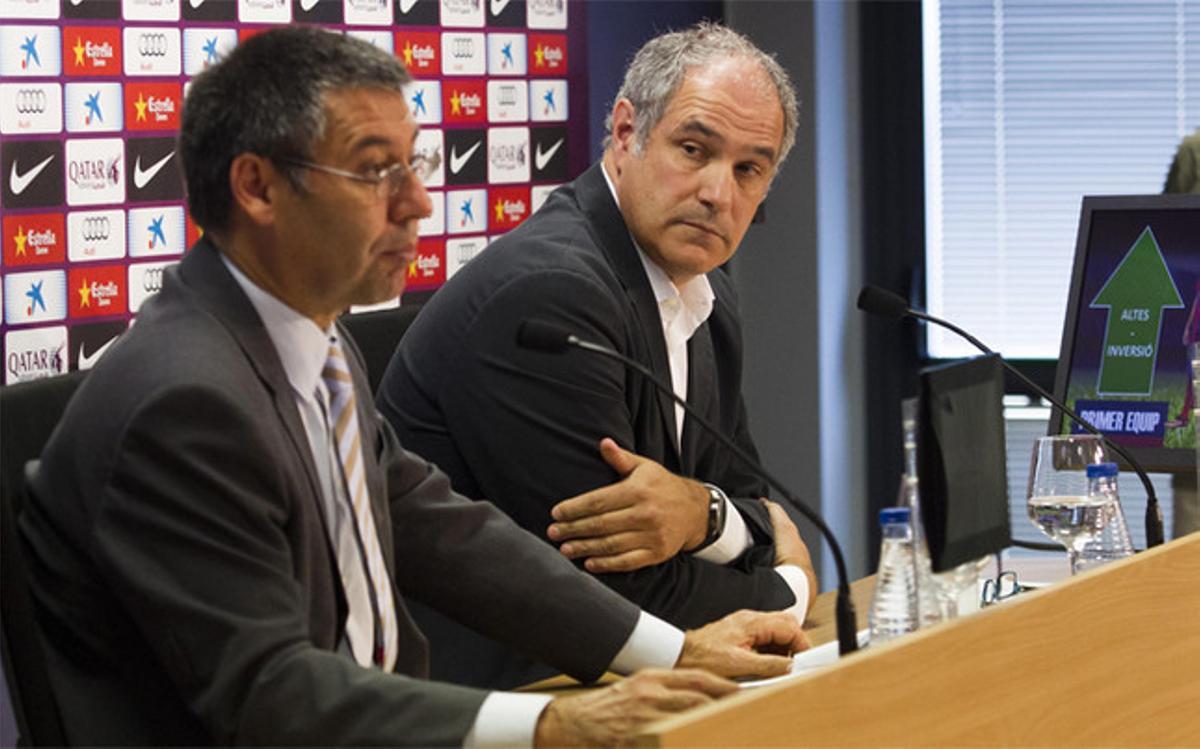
<point>388,181</point>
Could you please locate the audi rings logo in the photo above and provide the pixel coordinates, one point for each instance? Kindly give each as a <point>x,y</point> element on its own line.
<point>153,45</point>
<point>152,280</point>
<point>96,228</point>
<point>463,47</point>
<point>31,100</point>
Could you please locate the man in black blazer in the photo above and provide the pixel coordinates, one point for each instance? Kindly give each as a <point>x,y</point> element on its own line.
<point>627,256</point>
<point>187,527</point>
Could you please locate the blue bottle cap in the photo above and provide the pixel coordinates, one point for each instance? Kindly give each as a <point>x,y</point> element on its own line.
<point>1101,470</point>
<point>889,515</point>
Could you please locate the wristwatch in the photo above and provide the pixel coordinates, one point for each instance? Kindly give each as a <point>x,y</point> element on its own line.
<point>717,503</point>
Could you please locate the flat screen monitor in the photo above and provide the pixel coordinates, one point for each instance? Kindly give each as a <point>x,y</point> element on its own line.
<point>1131,317</point>
<point>961,461</point>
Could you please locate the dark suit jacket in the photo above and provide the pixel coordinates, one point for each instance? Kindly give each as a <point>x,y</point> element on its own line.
<point>521,428</point>
<point>182,571</point>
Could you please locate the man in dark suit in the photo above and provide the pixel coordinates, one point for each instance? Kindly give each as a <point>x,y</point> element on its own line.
<point>223,534</point>
<point>626,256</point>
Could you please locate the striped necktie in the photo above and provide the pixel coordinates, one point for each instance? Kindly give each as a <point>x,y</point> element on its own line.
<point>344,420</point>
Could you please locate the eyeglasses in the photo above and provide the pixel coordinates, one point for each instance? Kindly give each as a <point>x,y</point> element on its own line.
<point>388,181</point>
<point>999,588</point>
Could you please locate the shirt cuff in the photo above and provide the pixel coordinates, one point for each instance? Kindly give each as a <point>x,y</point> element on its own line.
<point>506,719</point>
<point>733,541</point>
<point>653,644</point>
<point>798,582</point>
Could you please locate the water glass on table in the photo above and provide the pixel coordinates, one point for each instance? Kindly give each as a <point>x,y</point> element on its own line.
<point>1058,500</point>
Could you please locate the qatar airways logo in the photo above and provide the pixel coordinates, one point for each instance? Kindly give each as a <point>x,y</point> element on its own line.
<point>462,12</point>
<point>547,14</point>
<point>370,12</point>
<point>264,11</point>
<point>34,354</point>
<point>150,10</point>
<point>94,174</point>
<point>95,171</point>
<point>508,155</point>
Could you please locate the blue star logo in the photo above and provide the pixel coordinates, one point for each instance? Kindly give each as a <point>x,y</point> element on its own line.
<point>156,232</point>
<point>419,102</point>
<point>93,106</point>
<point>468,212</point>
<point>506,52</point>
<point>35,297</point>
<point>210,50</point>
<point>31,53</point>
<point>549,99</point>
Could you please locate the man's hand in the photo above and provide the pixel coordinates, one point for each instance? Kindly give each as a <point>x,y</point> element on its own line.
<point>647,517</point>
<point>613,715</point>
<point>790,548</point>
<point>753,644</point>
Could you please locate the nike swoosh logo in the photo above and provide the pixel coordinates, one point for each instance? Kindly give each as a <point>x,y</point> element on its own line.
<point>195,3</point>
<point>541,159</point>
<point>87,362</point>
<point>141,178</point>
<point>407,5</point>
<point>18,182</point>
<point>307,5</point>
<point>498,6</point>
<point>459,160</point>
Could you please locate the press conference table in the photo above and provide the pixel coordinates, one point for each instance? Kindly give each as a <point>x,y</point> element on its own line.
<point>1110,657</point>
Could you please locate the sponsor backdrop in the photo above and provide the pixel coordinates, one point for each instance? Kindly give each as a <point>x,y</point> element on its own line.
<point>91,92</point>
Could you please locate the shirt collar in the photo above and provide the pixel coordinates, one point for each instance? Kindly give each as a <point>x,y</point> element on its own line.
<point>694,297</point>
<point>301,344</point>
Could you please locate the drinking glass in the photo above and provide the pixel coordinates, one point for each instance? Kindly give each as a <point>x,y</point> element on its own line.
<point>1058,500</point>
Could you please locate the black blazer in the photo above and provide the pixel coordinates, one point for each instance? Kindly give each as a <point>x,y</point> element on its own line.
<point>521,428</point>
<point>181,568</point>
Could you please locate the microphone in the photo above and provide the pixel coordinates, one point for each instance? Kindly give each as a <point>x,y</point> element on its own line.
<point>543,336</point>
<point>879,301</point>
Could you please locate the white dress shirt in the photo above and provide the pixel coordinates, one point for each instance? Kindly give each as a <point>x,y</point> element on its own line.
<point>504,718</point>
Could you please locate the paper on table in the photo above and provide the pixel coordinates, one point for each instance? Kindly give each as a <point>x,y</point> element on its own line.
<point>809,660</point>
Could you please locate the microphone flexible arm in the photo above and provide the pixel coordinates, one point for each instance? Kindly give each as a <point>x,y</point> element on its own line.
<point>1154,520</point>
<point>845,617</point>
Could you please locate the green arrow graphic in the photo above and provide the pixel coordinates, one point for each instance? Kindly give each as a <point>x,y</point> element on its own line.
<point>1135,295</point>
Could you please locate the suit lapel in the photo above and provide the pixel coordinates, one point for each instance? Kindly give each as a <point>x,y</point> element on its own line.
<point>614,240</point>
<point>702,367</point>
<point>204,272</point>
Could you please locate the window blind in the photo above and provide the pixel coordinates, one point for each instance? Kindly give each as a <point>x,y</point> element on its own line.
<point>1029,106</point>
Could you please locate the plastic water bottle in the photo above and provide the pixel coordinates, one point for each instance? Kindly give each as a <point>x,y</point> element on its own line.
<point>1113,541</point>
<point>894,607</point>
<point>929,609</point>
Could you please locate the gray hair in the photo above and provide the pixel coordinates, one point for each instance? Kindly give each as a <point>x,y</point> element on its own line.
<point>659,67</point>
<point>267,98</point>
